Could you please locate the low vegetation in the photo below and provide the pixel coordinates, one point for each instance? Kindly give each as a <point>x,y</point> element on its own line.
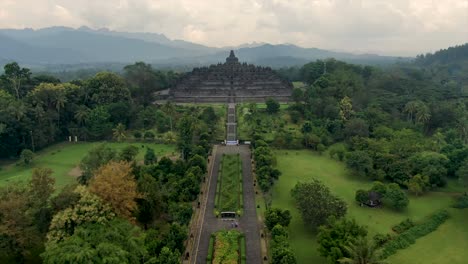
<point>229,195</point>
<point>227,248</point>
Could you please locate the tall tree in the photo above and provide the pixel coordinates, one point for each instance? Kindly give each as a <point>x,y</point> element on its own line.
<point>316,203</point>
<point>116,185</point>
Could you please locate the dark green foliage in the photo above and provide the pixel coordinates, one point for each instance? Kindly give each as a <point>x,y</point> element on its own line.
<point>116,242</point>
<point>209,257</point>
<point>395,197</point>
<point>180,212</point>
<point>272,106</point>
<point>381,239</point>
<point>148,135</point>
<point>360,162</point>
<point>94,159</point>
<point>461,202</point>
<point>362,196</point>
<point>150,157</point>
<point>409,236</point>
<point>128,153</point>
<point>26,157</point>
<point>275,216</point>
<point>403,226</point>
<point>316,203</point>
<point>334,236</point>
<point>281,251</point>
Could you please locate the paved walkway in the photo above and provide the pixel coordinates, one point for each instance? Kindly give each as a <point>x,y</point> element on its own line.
<point>231,123</point>
<point>248,223</point>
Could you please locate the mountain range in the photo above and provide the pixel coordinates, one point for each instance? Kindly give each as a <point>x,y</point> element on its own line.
<point>86,46</point>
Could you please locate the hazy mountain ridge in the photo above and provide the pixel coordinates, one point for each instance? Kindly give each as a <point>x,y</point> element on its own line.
<point>64,45</point>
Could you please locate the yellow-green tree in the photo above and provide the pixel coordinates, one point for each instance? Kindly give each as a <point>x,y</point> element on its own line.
<point>90,208</point>
<point>116,185</point>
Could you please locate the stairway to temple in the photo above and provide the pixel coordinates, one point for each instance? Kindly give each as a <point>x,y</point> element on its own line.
<point>231,125</point>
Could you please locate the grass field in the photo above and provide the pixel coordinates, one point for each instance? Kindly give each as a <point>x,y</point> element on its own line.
<point>62,158</point>
<point>229,188</point>
<point>308,165</point>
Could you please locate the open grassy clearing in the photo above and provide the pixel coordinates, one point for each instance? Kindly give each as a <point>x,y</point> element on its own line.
<point>229,187</point>
<point>63,158</point>
<point>227,246</point>
<point>304,165</point>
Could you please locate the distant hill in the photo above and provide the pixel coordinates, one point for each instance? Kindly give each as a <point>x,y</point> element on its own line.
<point>450,55</point>
<point>62,45</point>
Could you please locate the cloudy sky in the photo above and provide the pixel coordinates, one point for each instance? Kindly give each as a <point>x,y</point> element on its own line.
<point>394,27</point>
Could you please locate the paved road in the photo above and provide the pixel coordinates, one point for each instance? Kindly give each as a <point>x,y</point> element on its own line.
<point>248,223</point>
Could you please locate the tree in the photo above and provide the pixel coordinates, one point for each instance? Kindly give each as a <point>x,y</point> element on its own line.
<point>185,139</point>
<point>356,127</point>
<point>362,196</point>
<point>98,123</point>
<point>90,208</point>
<point>361,251</point>
<point>275,216</point>
<point>106,88</point>
<point>116,241</point>
<point>41,187</point>
<point>346,108</point>
<point>150,157</point>
<point>118,132</point>
<point>60,100</point>
<point>272,106</point>
<point>462,173</point>
<point>26,157</point>
<point>395,197</point>
<point>360,162</point>
<point>129,153</point>
<point>336,235</point>
<point>16,75</point>
<point>116,185</point>
<point>297,95</point>
<point>95,158</point>
<point>316,204</point>
<point>418,184</point>
<point>166,256</point>
<point>16,224</point>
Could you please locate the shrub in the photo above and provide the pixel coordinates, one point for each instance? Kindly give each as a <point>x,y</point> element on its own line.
<point>409,236</point>
<point>403,226</point>
<point>461,202</point>
<point>381,239</point>
<point>362,196</point>
<point>149,135</point>
<point>137,134</point>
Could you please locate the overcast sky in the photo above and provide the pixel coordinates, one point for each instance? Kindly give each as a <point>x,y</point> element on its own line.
<point>395,27</point>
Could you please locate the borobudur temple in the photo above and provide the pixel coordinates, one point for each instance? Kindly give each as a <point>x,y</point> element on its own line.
<point>231,81</point>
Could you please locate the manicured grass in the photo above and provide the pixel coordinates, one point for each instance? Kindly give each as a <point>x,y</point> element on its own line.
<point>227,247</point>
<point>298,85</point>
<point>303,165</point>
<point>62,158</point>
<point>229,188</point>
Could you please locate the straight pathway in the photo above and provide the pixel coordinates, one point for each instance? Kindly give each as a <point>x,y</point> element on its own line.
<point>248,222</point>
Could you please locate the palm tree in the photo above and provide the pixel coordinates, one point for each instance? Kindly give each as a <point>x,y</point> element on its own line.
<point>423,114</point>
<point>362,252</point>
<point>119,132</point>
<point>169,108</point>
<point>81,114</point>
<point>60,100</point>
<point>411,108</point>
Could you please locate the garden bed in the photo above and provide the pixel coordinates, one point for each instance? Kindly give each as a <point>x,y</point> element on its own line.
<point>226,247</point>
<point>229,195</point>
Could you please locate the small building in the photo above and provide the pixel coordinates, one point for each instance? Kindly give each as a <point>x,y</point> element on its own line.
<point>374,199</point>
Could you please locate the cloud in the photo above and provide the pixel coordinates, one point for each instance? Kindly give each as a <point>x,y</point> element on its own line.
<point>402,27</point>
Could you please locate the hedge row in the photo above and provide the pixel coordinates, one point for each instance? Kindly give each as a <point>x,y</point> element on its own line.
<point>209,257</point>
<point>408,237</point>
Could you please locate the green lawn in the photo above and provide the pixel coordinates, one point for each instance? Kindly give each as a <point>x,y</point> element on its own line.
<point>304,165</point>
<point>62,158</point>
<point>447,244</point>
<point>229,189</point>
